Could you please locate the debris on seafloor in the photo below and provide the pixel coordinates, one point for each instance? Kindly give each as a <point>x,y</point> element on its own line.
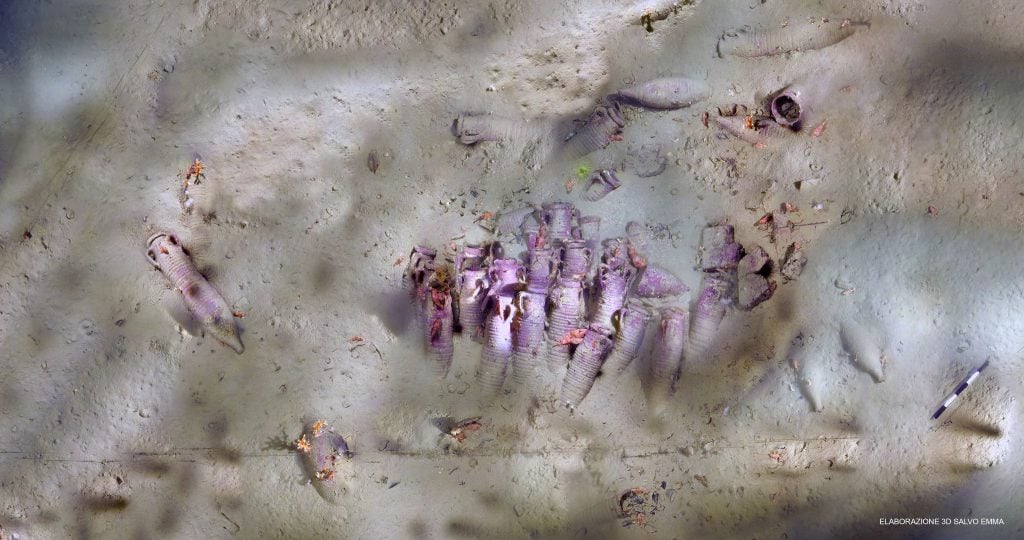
<point>845,289</point>
<point>756,130</point>
<point>638,505</point>
<point>194,172</point>
<point>779,225</point>
<point>847,216</point>
<point>776,223</point>
<point>460,430</point>
<point>302,444</point>
<point>651,16</point>
<point>792,262</point>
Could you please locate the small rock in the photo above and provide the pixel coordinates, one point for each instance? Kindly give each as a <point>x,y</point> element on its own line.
<point>167,63</point>
<point>689,451</point>
<point>754,289</point>
<point>459,388</point>
<point>754,261</point>
<point>792,263</point>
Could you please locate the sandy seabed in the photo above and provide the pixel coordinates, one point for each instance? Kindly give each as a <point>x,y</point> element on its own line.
<point>116,424</point>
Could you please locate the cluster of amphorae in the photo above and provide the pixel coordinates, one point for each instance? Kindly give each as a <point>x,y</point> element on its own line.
<point>557,308</point>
